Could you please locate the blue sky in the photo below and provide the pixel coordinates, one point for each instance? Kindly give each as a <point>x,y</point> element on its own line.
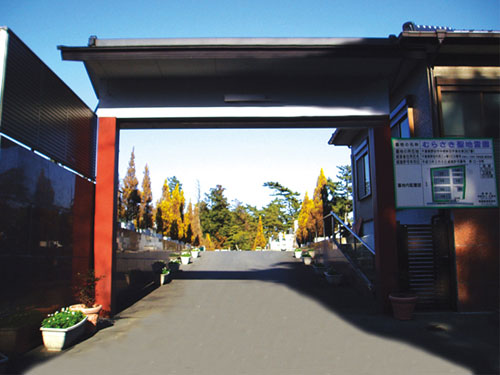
<point>44,24</point>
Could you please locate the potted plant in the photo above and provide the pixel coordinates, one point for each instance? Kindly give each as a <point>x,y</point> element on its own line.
<point>312,253</point>
<point>84,292</point>
<point>62,328</point>
<point>298,253</point>
<point>403,304</point>
<point>306,258</point>
<point>195,252</point>
<point>333,276</point>
<point>185,257</point>
<point>164,276</point>
<point>319,268</point>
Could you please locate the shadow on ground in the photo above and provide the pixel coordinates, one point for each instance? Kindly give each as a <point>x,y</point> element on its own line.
<point>469,340</point>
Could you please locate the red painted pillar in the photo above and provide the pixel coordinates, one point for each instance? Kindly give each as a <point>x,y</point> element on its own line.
<point>105,210</point>
<point>384,213</point>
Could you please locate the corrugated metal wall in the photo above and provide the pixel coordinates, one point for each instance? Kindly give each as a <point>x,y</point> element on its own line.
<point>40,111</point>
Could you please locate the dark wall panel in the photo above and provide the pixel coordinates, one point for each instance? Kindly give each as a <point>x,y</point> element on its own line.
<point>45,229</point>
<point>40,111</point>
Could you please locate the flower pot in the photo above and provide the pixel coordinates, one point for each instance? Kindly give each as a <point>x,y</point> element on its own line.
<point>185,260</point>
<point>92,313</point>
<point>164,278</point>
<point>312,253</point>
<point>307,260</point>
<point>195,254</point>
<point>334,279</point>
<point>298,254</point>
<point>403,305</point>
<point>56,339</point>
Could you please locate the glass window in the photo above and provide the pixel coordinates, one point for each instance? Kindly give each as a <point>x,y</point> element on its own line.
<point>472,114</point>
<point>363,175</point>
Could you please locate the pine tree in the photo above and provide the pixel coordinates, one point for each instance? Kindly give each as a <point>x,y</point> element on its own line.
<point>260,240</point>
<point>131,194</point>
<point>145,210</point>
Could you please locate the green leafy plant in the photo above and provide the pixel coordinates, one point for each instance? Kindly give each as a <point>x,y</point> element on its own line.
<point>63,319</point>
<point>186,254</point>
<point>305,255</point>
<point>165,271</point>
<point>84,290</point>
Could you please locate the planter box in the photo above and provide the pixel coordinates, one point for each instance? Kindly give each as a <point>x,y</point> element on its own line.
<point>333,279</point>
<point>56,339</point>
<point>164,278</point>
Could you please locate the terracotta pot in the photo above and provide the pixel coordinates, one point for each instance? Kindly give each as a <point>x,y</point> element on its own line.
<point>403,305</point>
<point>92,313</point>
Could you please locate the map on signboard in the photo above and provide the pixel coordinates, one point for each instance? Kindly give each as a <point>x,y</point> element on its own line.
<point>442,172</point>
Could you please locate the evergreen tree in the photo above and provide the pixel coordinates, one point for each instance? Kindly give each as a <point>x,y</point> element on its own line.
<point>215,216</point>
<point>242,229</point>
<point>289,201</point>
<point>120,204</point>
<point>158,219</point>
<point>131,194</point>
<point>145,209</point>
<point>260,240</point>
<point>173,182</point>
<point>196,226</point>
<point>342,203</point>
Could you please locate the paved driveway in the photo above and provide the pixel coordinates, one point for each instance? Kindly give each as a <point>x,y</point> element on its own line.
<point>266,313</point>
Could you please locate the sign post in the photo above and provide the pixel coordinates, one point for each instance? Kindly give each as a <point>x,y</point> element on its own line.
<point>444,173</point>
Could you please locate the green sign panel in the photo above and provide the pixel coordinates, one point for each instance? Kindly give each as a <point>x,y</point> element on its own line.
<point>444,173</point>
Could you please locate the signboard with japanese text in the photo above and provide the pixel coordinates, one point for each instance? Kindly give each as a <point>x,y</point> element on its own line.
<point>444,173</point>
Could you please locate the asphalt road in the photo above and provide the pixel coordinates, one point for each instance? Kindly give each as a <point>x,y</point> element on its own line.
<point>264,313</point>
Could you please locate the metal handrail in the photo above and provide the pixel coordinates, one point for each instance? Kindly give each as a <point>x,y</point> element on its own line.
<point>350,230</point>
